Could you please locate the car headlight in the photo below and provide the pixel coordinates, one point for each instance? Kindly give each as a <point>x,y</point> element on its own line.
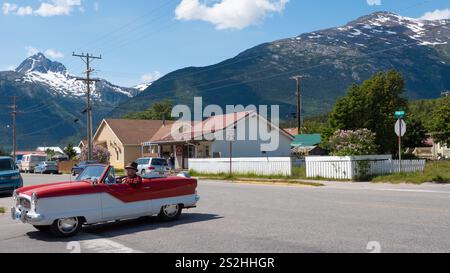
<point>34,199</point>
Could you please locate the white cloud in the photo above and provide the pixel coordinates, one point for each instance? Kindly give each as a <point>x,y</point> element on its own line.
<point>8,68</point>
<point>46,9</point>
<point>23,11</point>
<point>31,51</point>
<point>436,15</point>
<point>151,77</point>
<point>51,53</point>
<point>54,54</point>
<point>229,14</point>
<point>8,8</point>
<point>57,7</point>
<point>374,2</point>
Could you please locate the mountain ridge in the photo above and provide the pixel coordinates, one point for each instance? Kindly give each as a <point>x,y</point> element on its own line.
<point>333,58</point>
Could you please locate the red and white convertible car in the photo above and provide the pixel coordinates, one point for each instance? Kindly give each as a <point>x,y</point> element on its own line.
<point>98,196</point>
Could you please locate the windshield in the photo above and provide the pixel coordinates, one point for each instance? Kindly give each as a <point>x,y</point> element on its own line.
<point>6,165</point>
<point>37,159</point>
<point>91,173</point>
<point>159,162</point>
<point>143,161</point>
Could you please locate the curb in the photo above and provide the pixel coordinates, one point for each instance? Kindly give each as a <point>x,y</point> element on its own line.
<point>274,182</point>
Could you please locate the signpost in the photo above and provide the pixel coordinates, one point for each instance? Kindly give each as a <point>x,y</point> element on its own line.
<point>400,130</point>
<point>230,137</point>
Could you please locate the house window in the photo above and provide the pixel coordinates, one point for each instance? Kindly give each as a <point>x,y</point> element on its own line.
<point>207,151</point>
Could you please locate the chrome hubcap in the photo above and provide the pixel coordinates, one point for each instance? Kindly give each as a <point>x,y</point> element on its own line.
<point>67,225</point>
<point>170,210</point>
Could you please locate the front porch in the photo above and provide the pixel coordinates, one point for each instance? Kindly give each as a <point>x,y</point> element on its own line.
<point>182,151</point>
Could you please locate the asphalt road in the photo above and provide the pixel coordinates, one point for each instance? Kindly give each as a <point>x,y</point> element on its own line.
<point>339,217</point>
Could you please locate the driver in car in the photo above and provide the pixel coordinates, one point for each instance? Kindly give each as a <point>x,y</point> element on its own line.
<point>132,178</point>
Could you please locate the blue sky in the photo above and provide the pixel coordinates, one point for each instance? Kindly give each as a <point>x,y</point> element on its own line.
<point>140,39</point>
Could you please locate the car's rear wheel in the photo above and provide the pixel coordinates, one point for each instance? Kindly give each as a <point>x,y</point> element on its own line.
<point>42,228</point>
<point>66,227</point>
<point>170,212</point>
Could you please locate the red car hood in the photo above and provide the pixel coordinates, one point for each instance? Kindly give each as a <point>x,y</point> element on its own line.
<point>59,189</point>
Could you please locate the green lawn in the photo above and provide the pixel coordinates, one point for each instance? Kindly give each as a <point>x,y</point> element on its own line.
<point>437,172</point>
<point>297,173</point>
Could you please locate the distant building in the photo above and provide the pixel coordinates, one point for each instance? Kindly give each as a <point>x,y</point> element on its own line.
<point>190,141</point>
<point>307,144</point>
<point>57,150</point>
<point>123,138</point>
<point>434,150</point>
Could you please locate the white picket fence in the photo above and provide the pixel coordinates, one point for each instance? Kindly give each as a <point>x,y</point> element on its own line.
<point>258,166</point>
<point>348,168</point>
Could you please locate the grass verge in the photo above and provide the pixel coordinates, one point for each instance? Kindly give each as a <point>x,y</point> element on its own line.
<point>435,172</point>
<point>297,174</point>
<point>2,210</point>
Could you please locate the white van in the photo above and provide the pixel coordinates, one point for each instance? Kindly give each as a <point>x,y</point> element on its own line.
<point>29,162</point>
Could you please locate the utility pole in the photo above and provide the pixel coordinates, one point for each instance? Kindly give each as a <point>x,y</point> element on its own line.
<point>298,78</point>
<point>14,114</point>
<point>87,59</point>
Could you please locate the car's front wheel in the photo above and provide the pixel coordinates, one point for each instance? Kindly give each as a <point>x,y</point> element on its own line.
<point>170,212</point>
<point>66,227</point>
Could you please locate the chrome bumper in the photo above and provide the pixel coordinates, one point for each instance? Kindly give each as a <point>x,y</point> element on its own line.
<point>25,216</point>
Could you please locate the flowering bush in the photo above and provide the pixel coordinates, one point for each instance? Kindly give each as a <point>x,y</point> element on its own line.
<point>352,143</point>
<point>99,154</point>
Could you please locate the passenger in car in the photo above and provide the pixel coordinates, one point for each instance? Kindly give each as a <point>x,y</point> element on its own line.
<point>132,178</point>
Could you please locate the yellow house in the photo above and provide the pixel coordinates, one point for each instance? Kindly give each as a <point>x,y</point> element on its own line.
<point>123,138</point>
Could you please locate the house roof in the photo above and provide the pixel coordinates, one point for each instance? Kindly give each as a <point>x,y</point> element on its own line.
<point>199,129</point>
<point>292,131</point>
<point>133,132</point>
<point>45,149</point>
<point>307,140</point>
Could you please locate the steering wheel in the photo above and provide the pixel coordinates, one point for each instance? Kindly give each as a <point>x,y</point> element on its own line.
<point>119,179</point>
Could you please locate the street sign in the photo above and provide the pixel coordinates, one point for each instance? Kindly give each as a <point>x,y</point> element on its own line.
<point>400,114</point>
<point>400,128</point>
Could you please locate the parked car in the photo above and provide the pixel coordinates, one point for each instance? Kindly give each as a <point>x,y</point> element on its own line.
<point>152,165</point>
<point>10,178</point>
<point>79,168</point>
<point>47,167</point>
<point>29,162</point>
<point>98,196</point>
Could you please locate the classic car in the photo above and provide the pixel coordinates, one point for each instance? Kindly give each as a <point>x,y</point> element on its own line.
<point>98,196</point>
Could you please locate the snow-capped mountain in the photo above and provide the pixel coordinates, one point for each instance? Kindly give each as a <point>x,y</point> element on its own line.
<point>39,69</point>
<point>332,59</point>
<point>51,102</point>
<point>142,86</point>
